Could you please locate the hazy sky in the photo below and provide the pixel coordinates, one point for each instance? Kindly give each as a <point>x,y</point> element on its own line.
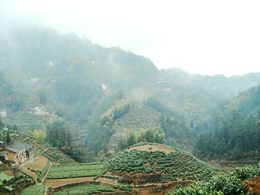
<point>207,37</point>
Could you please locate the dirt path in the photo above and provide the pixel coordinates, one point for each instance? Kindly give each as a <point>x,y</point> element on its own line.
<point>43,179</point>
<point>61,182</point>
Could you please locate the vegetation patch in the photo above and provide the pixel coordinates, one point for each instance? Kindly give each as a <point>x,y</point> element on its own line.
<point>34,190</point>
<point>4,178</point>
<point>51,153</point>
<point>157,165</point>
<point>85,189</point>
<point>227,184</point>
<point>75,170</point>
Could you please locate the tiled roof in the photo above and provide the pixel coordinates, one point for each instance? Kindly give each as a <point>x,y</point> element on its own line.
<point>17,146</point>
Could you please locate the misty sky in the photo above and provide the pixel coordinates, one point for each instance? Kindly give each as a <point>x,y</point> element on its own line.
<point>207,37</point>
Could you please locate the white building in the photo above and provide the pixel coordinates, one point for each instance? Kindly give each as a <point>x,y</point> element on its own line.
<point>50,64</point>
<point>38,111</point>
<point>34,79</point>
<point>3,113</point>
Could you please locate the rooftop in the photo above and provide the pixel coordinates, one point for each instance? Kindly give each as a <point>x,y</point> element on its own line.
<point>17,146</point>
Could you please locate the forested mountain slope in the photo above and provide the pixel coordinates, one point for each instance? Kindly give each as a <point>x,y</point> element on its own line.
<point>236,129</point>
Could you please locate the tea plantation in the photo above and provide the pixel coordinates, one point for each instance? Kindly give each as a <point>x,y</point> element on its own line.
<point>173,165</point>
<point>34,190</point>
<point>75,170</point>
<point>139,117</point>
<point>85,189</point>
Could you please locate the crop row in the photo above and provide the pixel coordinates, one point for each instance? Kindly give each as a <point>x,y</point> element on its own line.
<point>176,165</point>
<point>34,190</point>
<point>85,189</point>
<point>75,170</point>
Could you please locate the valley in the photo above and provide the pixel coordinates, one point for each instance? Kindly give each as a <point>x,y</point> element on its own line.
<point>96,120</point>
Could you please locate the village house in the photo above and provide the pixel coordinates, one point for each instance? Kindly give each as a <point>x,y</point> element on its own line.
<point>3,113</point>
<point>38,111</point>
<point>50,64</point>
<point>17,152</point>
<point>34,80</point>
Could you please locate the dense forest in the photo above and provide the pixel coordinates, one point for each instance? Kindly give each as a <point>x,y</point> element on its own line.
<point>235,132</point>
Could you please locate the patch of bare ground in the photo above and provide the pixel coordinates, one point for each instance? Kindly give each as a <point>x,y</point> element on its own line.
<point>253,184</point>
<point>107,181</point>
<point>140,178</point>
<point>60,182</point>
<point>37,164</point>
<point>153,148</point>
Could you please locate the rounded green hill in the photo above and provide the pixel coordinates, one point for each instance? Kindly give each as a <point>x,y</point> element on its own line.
<point>155,163</point>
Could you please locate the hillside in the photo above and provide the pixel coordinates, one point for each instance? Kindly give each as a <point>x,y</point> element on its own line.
<point>217,87</point>
<point>235,134</point>
<point>247,102</point>
<point>75,80</point>
<point>138,117</point>
<point>53,154</point>
<point>188,102</point>
<point>152,163</point>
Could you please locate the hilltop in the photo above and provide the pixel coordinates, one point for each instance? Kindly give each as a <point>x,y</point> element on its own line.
<point>154,163</point>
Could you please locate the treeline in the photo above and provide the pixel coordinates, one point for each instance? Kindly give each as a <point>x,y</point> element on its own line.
<point>146,135</point>
<point>177,131</point>
<point>58,134</point>
<point>160,107</point>
<point>234,137</point>
<point>98,136</point>
<point>120,108</point>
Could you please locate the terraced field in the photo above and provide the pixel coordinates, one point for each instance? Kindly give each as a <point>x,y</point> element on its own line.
<point>74,171</point>
<point>85,189</point>
<point>139,117</point>
<point>139,165</point>
<point>34,190</point>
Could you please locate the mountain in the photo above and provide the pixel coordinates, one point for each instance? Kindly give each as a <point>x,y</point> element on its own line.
<point>217,87</point>
<point>78,81</point>
<point>235,134</point>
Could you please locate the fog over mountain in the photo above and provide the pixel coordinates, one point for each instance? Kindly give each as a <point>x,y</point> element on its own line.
<point>200,37</point>
<point>134,97</point>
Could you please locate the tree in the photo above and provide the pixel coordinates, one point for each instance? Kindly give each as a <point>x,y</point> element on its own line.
<point>40,134</point>
<point>131,139</point>
<point>42,97</point>
<point>8,138</point>
<point>15,170</point>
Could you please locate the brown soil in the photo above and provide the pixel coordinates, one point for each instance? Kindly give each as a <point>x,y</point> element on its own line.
<point>141,178</point>
<point>107,181</point>
<point>153,148</point>
<point>39,164</point>
<point>59,182</point>
<point>254,184</point>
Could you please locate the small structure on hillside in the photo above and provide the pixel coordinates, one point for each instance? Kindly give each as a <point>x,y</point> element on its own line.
<point>50,64</point>
<point>92,62</point>
<point>34,80</point>
<point>17,152</point>
<point>104,87</point>
<point>38,111</point>
<point>3,113</point>
<point>160,80</point>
